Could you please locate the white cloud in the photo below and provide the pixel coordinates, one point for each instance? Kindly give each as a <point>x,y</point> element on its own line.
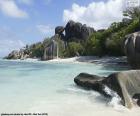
<point>9,8</point>
<point>9,41</point>
<point>96,14</point>
<point>45,29</point>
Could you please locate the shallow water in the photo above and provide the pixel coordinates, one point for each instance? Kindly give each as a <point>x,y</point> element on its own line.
<point>49,87</point>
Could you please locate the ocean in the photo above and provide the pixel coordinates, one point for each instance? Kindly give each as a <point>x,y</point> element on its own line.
<point>48,87</point>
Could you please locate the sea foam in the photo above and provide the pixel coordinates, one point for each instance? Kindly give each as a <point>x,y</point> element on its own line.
<point>115,101</point>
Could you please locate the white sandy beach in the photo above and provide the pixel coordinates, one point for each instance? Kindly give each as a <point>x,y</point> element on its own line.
<point>92,59</point>
<point>80,59</point>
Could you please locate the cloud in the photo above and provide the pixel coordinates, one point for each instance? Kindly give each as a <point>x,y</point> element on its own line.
<point>45,29</point>
<point>96,14</point>
<point>9,41</point>
<point>10,8</point>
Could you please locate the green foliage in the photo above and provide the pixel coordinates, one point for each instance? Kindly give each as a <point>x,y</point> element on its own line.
<point>133,27</point>
<point>93,45</point>
<point>73,49</point>
<point>114,45</point>
<point>37,50</point>
<point>110,41</point>
<point>46,42</point>
<point>132,13</point>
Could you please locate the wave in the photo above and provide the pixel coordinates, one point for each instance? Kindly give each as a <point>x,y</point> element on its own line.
<point>115,101</point>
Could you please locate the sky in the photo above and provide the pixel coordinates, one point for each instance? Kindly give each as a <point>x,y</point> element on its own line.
<point>28,21</point>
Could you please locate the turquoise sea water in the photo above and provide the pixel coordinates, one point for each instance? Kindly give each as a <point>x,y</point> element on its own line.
<point>49,87</point>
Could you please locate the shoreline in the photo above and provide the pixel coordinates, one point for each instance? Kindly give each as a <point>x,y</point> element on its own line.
<point>80,59</point>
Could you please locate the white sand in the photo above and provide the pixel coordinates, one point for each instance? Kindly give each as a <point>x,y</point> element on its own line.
<point>74,59</point>
<point>80,59</point>
<point>92,59</point>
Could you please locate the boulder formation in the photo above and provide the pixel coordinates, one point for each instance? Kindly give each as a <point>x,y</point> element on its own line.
<point>125,84</point>
<point>59,30</point>
<point>89,81</point>
<point>49,49</point>
<point>15,54</point>
<point>76,30</point>
<point>46,50</point>
<point>132,49</point>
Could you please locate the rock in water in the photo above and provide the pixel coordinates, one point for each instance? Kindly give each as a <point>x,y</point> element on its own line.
<point>138,102</point>
<point>132,49</point>
<point>89,81</point>
<point>126,84</point>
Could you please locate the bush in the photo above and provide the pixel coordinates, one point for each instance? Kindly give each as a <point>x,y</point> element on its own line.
<point>73,49</point>
<point>110,41</point>
<point>37,50</point>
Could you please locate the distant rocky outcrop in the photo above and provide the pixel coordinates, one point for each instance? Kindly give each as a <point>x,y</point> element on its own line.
<point>59,30</point>
<point>76,30</point>
<point>50,48</point>
<point>132,49</point>
<point>15,54</point>
<point>125,84</point>
<point>46,50</point>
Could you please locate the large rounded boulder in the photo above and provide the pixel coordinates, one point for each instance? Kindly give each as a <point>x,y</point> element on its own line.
<point>76,30</point>
<point>132,49</point>
<point>59,30</point>
<point>126,84</point>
